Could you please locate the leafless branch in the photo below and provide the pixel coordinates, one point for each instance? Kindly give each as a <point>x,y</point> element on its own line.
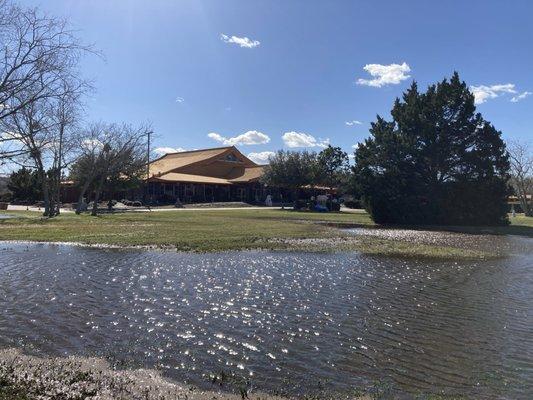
<point>521,157</point>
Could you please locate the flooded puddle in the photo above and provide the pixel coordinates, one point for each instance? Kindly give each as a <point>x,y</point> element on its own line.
<point>297,321</point>
<point>485,242</point>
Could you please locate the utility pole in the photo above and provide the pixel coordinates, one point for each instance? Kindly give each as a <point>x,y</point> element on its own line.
<point>148,197</point>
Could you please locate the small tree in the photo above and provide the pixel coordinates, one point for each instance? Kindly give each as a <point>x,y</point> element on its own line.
<point>110,154</point>
<point>25,185</point>
<point>436,162</point>
<point>332,166</point>
<point>290,170</point>
<point>65,115</point>
<point>521,157</point>
<point>32,128</point>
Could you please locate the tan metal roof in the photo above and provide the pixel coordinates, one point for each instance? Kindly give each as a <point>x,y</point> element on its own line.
<point>221,166</point>
<point>172,161</point>
<point>177,177</point>
<point>250,174</point>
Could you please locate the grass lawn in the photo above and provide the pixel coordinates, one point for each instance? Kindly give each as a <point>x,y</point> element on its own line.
<point>228,230</point>
<point>186,230</point>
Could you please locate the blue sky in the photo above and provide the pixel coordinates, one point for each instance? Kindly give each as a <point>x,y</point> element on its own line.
<point>302,69</point>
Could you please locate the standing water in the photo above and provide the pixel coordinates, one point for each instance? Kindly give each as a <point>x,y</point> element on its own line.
<point>298,321</point>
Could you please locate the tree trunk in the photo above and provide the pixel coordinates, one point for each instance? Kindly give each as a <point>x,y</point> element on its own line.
<point>53,189</point>
<point>41,173</point>
<point>82,195</point>
<point>59,167</point>
<point>527,208</point>
<point>46,197</point>
<point>51,202</point>
<point>522,197</point>
<point>94,211</point>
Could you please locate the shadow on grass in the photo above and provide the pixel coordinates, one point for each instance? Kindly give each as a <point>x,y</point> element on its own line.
<point>518,230</point>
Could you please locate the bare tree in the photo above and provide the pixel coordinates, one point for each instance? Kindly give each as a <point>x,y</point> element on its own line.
<point>40,93</point>
<point>38,54</point>
<point>110,152</point>
<point>43,131</point>
<point>66,115</point>
<point>32,127</point>
<point>521,157</point>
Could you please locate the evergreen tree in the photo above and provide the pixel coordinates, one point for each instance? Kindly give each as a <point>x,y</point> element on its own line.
<point>436,162</point>
<point>25,185</point>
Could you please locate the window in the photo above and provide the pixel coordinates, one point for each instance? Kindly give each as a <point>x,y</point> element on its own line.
<point>230,157</point>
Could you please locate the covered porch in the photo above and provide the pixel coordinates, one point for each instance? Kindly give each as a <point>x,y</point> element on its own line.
<point>187,192</point>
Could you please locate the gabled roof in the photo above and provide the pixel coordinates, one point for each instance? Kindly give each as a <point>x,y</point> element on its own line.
<point>172,161</point>
<point>199,166</point>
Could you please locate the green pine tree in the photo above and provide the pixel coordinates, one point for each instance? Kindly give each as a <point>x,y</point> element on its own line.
<point>25,185</point>
<point>436,162</point>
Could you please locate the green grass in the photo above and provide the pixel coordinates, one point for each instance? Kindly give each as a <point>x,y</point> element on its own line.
<point>187,230</point>
<point>231,230</point>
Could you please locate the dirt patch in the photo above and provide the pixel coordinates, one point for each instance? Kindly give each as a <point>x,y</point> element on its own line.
<point>29,377</point>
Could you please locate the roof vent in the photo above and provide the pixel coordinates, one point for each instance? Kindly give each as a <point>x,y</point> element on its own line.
<point>230,157</point>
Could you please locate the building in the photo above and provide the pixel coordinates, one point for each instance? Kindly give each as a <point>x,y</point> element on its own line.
<point>210,175</point>
<point>220,174</point>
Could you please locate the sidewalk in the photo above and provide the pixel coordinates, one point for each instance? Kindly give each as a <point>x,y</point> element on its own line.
<point>204,209</point>
<point>13,207</point>
<point>142,209</point>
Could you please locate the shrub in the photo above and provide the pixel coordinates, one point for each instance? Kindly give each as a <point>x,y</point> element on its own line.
<point>353,204</point>
<point>5,197</point>
<point>334,206</point>
<point>300,204</point>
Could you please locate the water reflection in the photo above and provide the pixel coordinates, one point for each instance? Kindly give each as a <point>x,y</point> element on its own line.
<point>288,320</point>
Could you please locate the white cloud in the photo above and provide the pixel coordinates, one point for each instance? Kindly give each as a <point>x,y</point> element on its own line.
<point>250,137</point>
<point>160,151</point>
<point>521,96</point>
<point>391,74</point>
<point>240,41</point>
<point>353,122</point>
<point>356,146</point>
<point>261,157</point>
<point>180,99</point>
<point>217,137</point>
<point>482,93</point>
<point>300,139</point>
